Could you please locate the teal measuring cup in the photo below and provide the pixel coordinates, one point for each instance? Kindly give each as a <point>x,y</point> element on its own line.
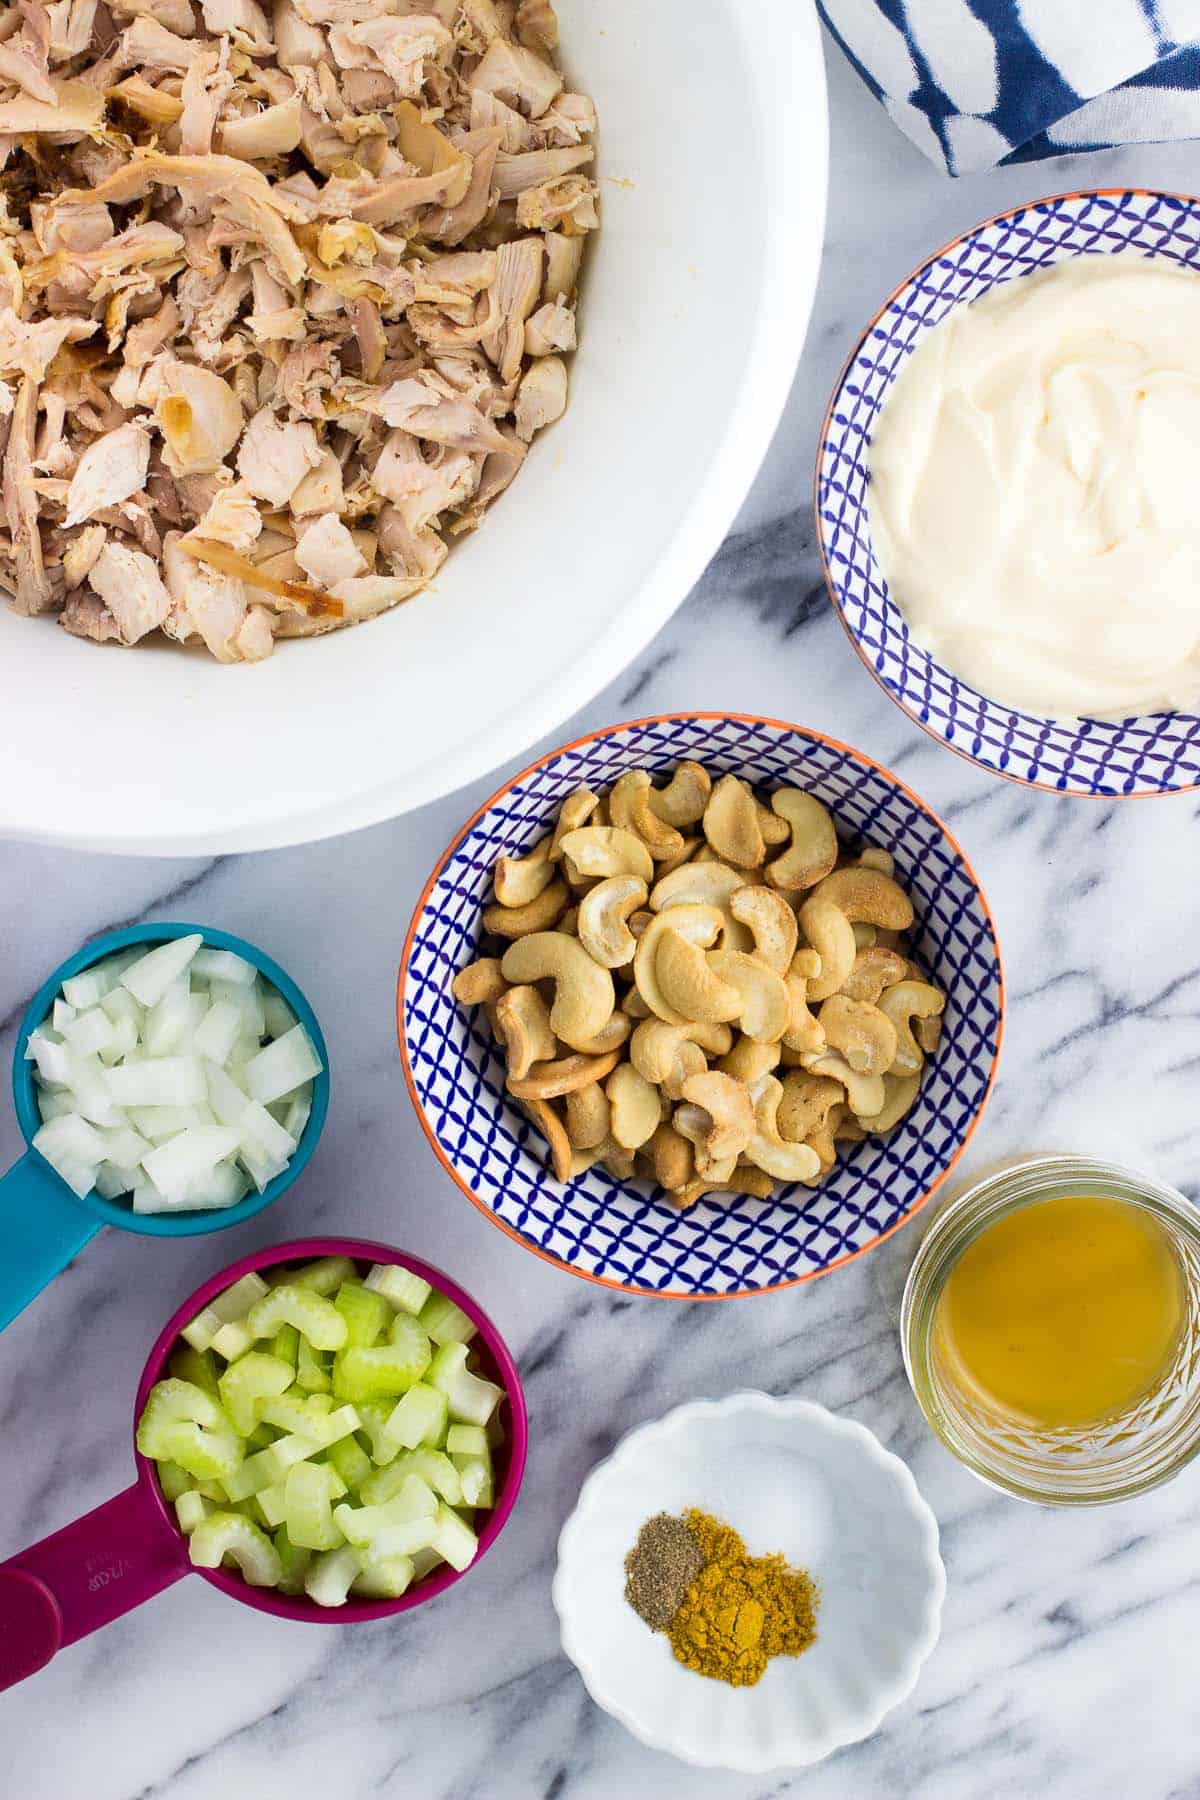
<point>43,1224</point>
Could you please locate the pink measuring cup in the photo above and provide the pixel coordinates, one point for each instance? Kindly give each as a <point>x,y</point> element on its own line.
<point>129,1549</point>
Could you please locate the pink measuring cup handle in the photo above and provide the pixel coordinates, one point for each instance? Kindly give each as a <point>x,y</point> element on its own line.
<point>83,1577</point>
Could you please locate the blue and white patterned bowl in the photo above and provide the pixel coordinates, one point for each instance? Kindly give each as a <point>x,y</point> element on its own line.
<point>1152,755</point>
<point>627,1234</point>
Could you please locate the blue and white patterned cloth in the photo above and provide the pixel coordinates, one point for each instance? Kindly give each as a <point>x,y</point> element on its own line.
<point>975,83</point>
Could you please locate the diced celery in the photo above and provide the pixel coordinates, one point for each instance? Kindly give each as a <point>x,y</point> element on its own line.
<point>233,1340</point>
<point>325,1276</point>
<point>424,1562</point>
<point>419,1418</point>
<point>231,1534</point>
<point>400,1287</point>
<point>314,1317</point>
<point>397,1527</point>
<point>309,1495</point>
<point>467,1440</point>
<point>444,1322</point>
<point>234,1303</point>
<point>373,1416</point>
<point>268,1466</point>
<point>308,1419</point>
<point>454,1538</point>
<point>250,1509</point>
<point>249,1383</point>
<point>190,1509</point>
<point>163,1081</point>
<point>214,1491</point>
<point>366,1313</point>
<point>260,1437</point>
<point>217,1032</point>
<point>330,1577</point>
<point>151,975</point>
<point>223,965</point>
<point>313,1371</point>
<point>197,1366</point>
<point>168,1020</point>
<point>381,1370</point>
<point>89,1033</point>
<point>350,1460</point>
<point>432,1467</point>
<point>472,1399</point>
<point>273,1502</point>
<point>173,1480</point>
<point>183,1424</point>
<point>384,1577</point>
<point>294,1563</point>
<point>285,1064</point>
<point>475,1480</point>
<point>286,1345</point>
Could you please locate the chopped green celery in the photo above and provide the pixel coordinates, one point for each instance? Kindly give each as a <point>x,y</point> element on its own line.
<point>419,1418</point>
<point>248,1384</point>
<point>472,1399</point>
<point>181,1423</point>
<point>475,1480</point>
<point>315,1318</point>
<point>313,1369</point>
<point>373,1416</point>
<point>286,1345</point>
<point>267,1466</point>
<point>234,1303</point>
<point>329,1578</point>
<point>325,1276</point>
<point>309,1494</point>
<point>467,1440</point>
<point>231,1534</point>
<point>273,1501</point>
<point>320,1427</point>
<point>197,1366</point>
<point>173,1480</point>
<point>214,1491</point>
<point>366,1313</point>
<point>250,1509</point>
<point>294,1563</point>
<point>402,1289</point>
<point>424,1562</point>
<point>233,1340</point>
<point>453,1537</point>
<point>260,1437</point>
<point>444,1322</point>
<point>383,1577</point>
<point>298,1411</point>
<point>431,1467</point>
<point>350,1460</point>
<point>383,1369</point>
<point>396,1528</point>
<point>190,1509</point>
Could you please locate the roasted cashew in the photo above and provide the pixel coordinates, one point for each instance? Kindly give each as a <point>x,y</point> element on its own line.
<point>899,1098</point>
<point>629,808</point>
<point>731,823</point>
<point>603,914</point>
<point>873,971</point>
<point>770,920</point>
<point>831,935</point>
<point>906,1001</point>
<point>814,847</point>
<point>748,1060</point>
<point>522,1023</point>
<point>699,924</point>
<point>665,1055</point>
<point>634,1106</point>
<point>517,880</point>
<point>538,915</point>
<point>731,1113</point>
<point>873,858</point>
<point>804,1030</point>
<point>479,982</point>
<point>669,864</point>
<point>584,996</point>
<point>633,1006</point>
<point>574,812</point>
<point>610,1037</point>
<point>767,1150</point>
<point>569,922</point>
<point>685,796</point>
<point>693,1123</point>
<point>692,987</point>
<point>864,1092</point>
<point>865,1036</point>
<point>546,1120</point>
<point>928,1033</point>
<point>671,1157</point>
<point>587,1116</point>
<point>705,884</point>
<point>868,895</point>
<point>806,1104</point>
<point>775,831</point>
<point>598,851</point>
<point>766,1006</point>
<point>551,1080</point>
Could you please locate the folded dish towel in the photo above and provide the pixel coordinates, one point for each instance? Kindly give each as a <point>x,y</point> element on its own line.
<point>975,83</point>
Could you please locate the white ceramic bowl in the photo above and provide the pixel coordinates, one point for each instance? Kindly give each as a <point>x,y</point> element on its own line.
<point>791,1477</point>
<point>689,337</point>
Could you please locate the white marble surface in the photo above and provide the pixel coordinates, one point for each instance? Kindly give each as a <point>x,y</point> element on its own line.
<point>1063,1667</point>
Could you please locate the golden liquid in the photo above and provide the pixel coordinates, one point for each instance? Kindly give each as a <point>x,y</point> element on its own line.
<point>1064,1313</point>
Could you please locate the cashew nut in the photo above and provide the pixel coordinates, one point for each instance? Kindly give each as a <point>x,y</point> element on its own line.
<point>831,935</point>
<point>693,1123</point>
<point>873,971</point>
<point>603,914</point>
<point>634,1006</point>
<point>900,1098</point>
<point>770,920</point>
<point>587,1116</point>
<point>775,831</point>
<point>538,915</point>
<point>731,1114</point>
<point>928,1033</point>
<point>814,846</point>
<point>671,1157</point>
<point>691,986</point>
<point>610,1037</point>
<point>547,1121</point>
<point>864,1092</point>
<point>767,1150</point>
<point>731,823</point>
<point>867,894</point>
<point>700,925</point>
<point>574,812</point>
<point>519,879</point>
<point>766,1007</point>
<point>806,1104</point>
<point>551,1080</point>
<point>705,884</point>
<point>479,982</point>
<point>685,796</point>
<point>665,1055</point>
<point>864,935</point>
<point>629,807</point>
<point>598,851</point>
<point>670,863</point>
<point>883,860</point>
<point>634,1106</point>
<point>748,1060</point>
<point>804,1031</point>
<point>906,1001</point>
<point>865,1036</point>
<point>522,1023</point>
<point>584,996</point>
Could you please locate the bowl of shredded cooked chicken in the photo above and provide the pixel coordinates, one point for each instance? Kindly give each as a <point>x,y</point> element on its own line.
<point>286,298</point>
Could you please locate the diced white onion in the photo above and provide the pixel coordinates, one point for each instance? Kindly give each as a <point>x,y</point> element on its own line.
<point>168,1019</point>
<point>62,1015</point>
<point>181,1165</point>
<point>218,1031</point>
<point>89,1033</point>
<point>283,1066</point>
<point>151,975</point>
<point>163,1081</point>
<point>223,965</point>
<point>278,1014</point>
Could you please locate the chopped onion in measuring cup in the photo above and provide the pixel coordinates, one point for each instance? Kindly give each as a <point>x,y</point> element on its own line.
<point>178,1077</point>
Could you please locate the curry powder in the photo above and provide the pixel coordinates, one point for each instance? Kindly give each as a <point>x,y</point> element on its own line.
<point>741,1610</point>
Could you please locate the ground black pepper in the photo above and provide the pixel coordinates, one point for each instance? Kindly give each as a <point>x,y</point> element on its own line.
<point>660,1568</point>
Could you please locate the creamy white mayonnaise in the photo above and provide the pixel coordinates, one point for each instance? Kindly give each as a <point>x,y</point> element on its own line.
<point>1034,499</point>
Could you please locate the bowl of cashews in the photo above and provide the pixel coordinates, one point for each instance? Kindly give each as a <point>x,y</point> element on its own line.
<point>701,1005</point>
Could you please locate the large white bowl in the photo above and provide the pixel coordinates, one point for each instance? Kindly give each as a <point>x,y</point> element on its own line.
<point>712,161</point>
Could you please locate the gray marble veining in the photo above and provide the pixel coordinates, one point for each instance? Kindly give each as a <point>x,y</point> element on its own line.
<point>1064,1667</point>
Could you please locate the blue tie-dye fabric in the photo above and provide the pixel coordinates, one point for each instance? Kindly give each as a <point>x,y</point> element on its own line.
<point>976,83</point>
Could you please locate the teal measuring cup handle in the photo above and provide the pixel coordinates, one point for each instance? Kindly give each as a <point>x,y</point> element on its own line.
<point>41,1229</point>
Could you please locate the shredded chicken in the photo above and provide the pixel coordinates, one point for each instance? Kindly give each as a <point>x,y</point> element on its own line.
<point>285,292</point>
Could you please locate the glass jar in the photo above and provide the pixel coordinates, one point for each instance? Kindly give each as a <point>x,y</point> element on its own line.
<point>1081,1466</point>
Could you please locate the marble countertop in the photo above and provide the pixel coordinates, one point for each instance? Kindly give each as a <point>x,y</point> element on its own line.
<point>1059,1669</point>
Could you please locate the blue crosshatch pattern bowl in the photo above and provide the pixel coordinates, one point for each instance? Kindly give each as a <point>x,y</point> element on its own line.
<point>627,1234</point>
<point>1153,755</point>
